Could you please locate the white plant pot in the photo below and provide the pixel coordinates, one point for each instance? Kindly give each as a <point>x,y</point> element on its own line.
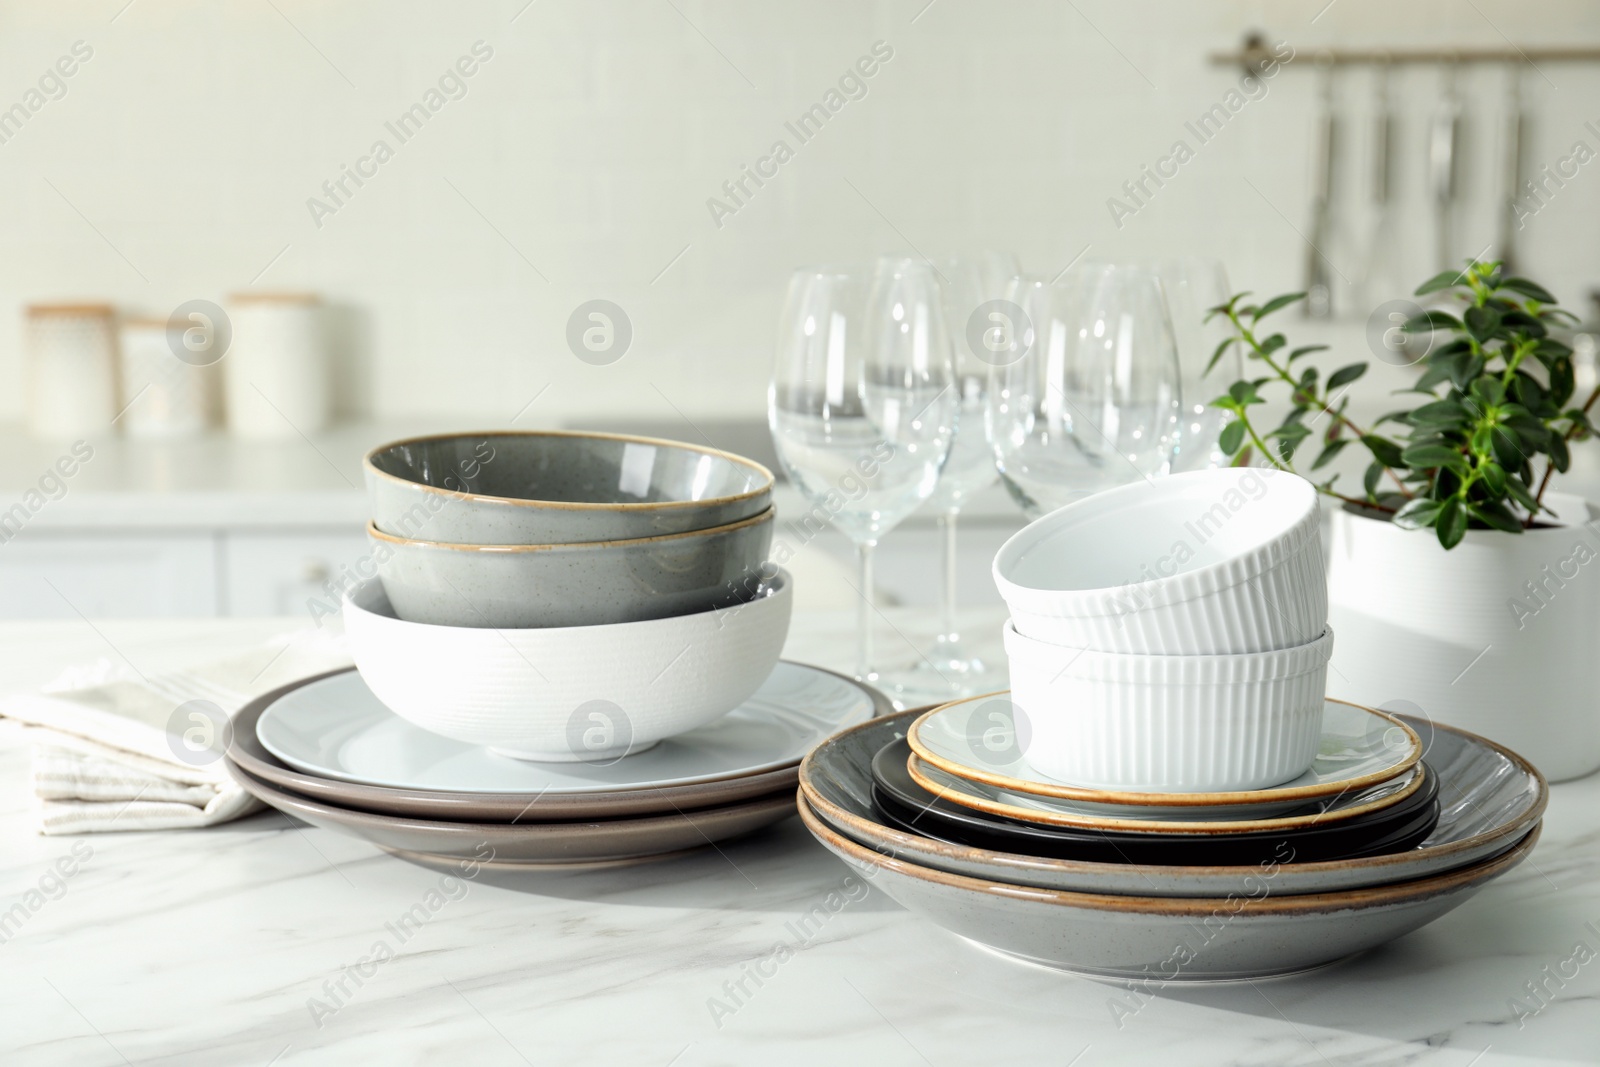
<point>1500,635</point>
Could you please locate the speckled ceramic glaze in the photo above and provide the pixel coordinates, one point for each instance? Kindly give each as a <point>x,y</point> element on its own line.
<point>1168,939</point>
<point>1489,798</point>
<point>546,488</point>
<point>531,844</point>
<point>588,584</point>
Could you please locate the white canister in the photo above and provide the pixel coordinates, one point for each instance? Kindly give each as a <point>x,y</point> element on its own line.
<point>162,396</point>
<point>276,367</point>
<point>71,369</point>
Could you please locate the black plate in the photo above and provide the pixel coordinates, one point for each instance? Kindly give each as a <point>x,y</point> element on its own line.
<point>906,804</point>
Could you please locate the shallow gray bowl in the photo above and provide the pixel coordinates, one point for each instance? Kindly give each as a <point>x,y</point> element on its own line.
<point>586,584</point>
<point>550,487</point>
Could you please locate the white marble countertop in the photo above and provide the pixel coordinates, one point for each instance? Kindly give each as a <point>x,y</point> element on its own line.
<point>205,947</point>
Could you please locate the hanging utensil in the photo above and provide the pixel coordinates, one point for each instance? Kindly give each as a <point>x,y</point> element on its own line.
<point>1444,167</point>
<point>1516,135</point>
<point>1319,281</point>
<point>1378,273</point>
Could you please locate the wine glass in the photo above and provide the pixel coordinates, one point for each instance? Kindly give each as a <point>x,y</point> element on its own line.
<point>973,287</point>
<point>1087,397</point>
<point>1194,286</point>
<point>861,405</point>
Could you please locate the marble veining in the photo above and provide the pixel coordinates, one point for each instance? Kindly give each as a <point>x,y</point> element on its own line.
<point>216,947</point>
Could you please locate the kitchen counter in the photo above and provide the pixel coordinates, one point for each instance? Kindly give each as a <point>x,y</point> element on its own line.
<point>209,947</point>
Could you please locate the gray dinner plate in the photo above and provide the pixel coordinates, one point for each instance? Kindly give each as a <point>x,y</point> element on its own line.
<point>584,842</point>
<point>1489,798</point>
<point>1163,938</point>
<point>535,805</point>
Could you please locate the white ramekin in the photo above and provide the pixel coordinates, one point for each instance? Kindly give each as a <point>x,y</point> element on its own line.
<point>1169,724</point>
<point>1212,562</point>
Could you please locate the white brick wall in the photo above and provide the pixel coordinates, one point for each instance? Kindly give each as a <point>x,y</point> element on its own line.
<point>592,139</point>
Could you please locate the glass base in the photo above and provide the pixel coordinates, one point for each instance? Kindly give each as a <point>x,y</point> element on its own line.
<point>949,671</point>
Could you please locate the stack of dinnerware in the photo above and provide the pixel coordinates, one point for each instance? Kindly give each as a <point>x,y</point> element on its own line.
<point>1166,786</point>
<point>569,655</point>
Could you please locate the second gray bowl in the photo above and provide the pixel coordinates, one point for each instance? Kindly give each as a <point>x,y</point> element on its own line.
<point>548,487</point>
<point>588,584</point>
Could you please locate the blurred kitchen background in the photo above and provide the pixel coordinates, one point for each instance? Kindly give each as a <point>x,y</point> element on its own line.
<point>540,156</point>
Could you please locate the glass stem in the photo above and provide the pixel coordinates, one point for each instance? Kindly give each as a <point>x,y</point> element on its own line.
<point>948,634</point>
<point>864,611</point>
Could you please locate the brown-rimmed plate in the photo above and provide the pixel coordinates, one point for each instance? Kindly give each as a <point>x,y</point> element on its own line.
<point>983,739</point>
<point>1168,938</point>
<point>580,842</point>
<point>1489,798</point>
<point>250,755</point>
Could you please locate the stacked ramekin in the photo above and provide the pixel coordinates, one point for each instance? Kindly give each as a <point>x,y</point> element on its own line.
<point>1171,636</point>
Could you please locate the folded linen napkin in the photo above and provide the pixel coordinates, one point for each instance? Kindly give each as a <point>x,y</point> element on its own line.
<point>115,749</point>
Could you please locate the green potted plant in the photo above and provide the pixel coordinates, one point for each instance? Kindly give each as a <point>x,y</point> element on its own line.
<point>1461,585</point>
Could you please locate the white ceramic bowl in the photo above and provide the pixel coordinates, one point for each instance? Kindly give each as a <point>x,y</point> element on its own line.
<point>1204,563</point>
<point>1169,724</point>
<point>568,694</point>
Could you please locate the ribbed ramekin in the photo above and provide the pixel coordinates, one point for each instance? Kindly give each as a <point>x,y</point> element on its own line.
<point>1215,562</point>
<point>1175,724</point>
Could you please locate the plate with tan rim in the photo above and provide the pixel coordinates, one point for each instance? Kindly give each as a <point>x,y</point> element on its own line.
<point>1489,798</point>
<point>1054,811</point>
<point>978,739</point>
<point>1242,935</point>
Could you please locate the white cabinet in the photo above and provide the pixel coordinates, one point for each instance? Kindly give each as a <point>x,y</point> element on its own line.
<point>57,575</point>
<point>286,573</point>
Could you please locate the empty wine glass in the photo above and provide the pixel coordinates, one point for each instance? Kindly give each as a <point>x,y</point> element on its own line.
<point>1193,287</point>
<point>861,404</point>
<point>973,286</point>
<point>1088,396</point>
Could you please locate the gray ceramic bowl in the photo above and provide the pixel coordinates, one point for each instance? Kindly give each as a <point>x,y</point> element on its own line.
<point>552,488</point>
<point>588,584</point>
<point>1489,796</point>
<point>1160,938</point>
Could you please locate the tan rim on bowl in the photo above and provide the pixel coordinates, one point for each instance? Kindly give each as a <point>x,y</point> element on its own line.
<point>575,505</point>
<point>766,516</point>
<point>1340,900</point>
<point>897,838</point>
<point>1149,826</point>
<point>1163,800</point>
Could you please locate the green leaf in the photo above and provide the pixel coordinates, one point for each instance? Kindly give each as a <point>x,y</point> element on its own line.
<point>1489,391</point>
<point>1443,280</point>
<point>1369,480</point>
<point>1417,514</point>
<point>1217,355</point>
<point>1273,343</point>
<point>1507,449</point>
<point>1306,350</point>
<point>1428,456</point>
<point>1481,323</point>
<point>1530,289</point>
<point>1494,514</point>
<point>1275,304</point>
<point>1451,524</point>
<point>1346,375</point>
<point>1559,455</point>
<point>1244,394</point>
<point>1519,491</point>
<point>1231,437</point>
<point>1327,454</point>
<point>1384,450</point>
<point>1493,476</point>
<point>1429,321</point>
<point>1440,413</point>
